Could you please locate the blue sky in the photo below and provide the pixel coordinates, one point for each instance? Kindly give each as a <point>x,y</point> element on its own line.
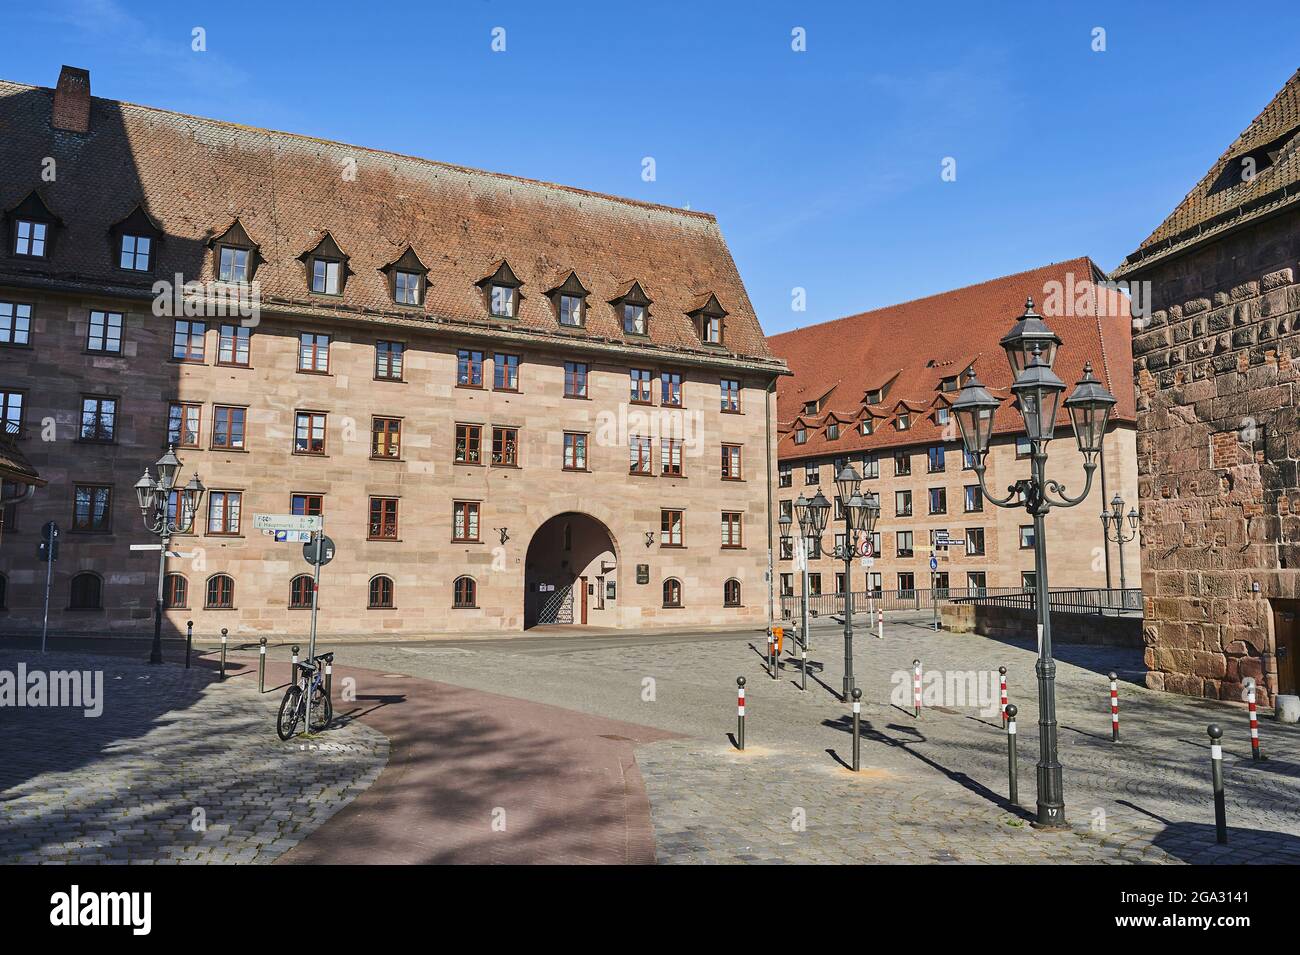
<point>822,166</point>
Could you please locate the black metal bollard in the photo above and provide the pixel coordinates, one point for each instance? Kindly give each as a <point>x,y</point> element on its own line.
<point>1216,764</point>
<point>771,651</point>
<point>224,632</point>
<point>1114,708</point>
<point>293,666</point>
<point>261,666</point>
<point>1012,775</point>
<point>857,727</point>
<point>803,666</point>
<point>189,641</point>
<point>329,678</point>
<point>740,712</point>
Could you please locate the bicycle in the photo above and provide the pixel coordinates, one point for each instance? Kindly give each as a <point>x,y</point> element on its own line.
<point>294,705</point>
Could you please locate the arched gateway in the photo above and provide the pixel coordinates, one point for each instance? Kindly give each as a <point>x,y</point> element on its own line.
<point>570,573</point>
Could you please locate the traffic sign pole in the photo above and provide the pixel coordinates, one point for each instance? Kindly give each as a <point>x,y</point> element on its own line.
<point>51,534</point>
<point>934,590</point>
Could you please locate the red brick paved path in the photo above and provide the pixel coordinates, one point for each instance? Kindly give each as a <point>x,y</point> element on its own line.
<point>567,782</point>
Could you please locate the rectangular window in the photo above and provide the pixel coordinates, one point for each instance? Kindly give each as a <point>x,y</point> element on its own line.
<point>386,438</point>
<point>135,253</point>
<point>941,416</point>
<point>634,319</point>
<point>464,520</point>
<point>91,507</point>
<point>977,581</point>
<point>811,473</point>
<point>814,585</point>
<point>640,382</point>
<point>670,456</point>
<point>505,447</point>
<point>233,265</point>
<point>671,533</point>
<point>98,419</point>
<point>671,389</point>
<point>187,340</point>
<point>730,395</point>
<point>839,583</point>
<point>224,509</point>
<point>787,548</point>
<point>505,372</point>
<point>228,427</point>
<point>406,288</point>
<point>974,542</point>
<point>938,500</point>
<point>934,460</point>
<point>105,332</point>
<point>801,436</point>
<point>1026,536</point>
<point>469,368</point>
<point>314,353</point>
<point>183,420</point>
<point>787,585</point>
<point>903,543</point>
<point>469,439</point>
<point>502,301</point>
<point>1024,447</point>
<point>731,462</point>
<point>309,433</point>
<point>575,379</point>
<point>906,583</point>
<point>639,455</point>
<point>307,504</point>
<point>711,329</point>
<point>1028,580</point>
<point>967,461</point>
<point>784,475</point>
<point>870,466</point>
<point>325,276</point>
<point>875,582</point>
<point>731,528</point>
<point>902,464</point>
<point>15,323</point>
<point>383,519</point>
<point>571,310</point>
<point>232,345</point>
<point>29,238</point>
<point>903,422</point>
<point>876,546</point>
<point>575,451</point>
<point>973,498</point>
<point>388,360</point>
<point>903,503</point>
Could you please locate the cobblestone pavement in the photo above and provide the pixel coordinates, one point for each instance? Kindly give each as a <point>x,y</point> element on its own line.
<point>178,768</point>
<point>931,789</point>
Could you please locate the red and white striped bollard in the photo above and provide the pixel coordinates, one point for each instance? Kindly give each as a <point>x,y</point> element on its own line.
<point>916,688</point>
<point>1002,692</point>
<point>1254,723</point>
<point>1114,708</point>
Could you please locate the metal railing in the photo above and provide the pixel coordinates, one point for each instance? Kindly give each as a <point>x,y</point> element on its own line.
<point>1095,600</point>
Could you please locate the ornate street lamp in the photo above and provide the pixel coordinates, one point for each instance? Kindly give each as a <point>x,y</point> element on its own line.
<point>1031,351</point>
<point>1116,516</point>
<point>162,520</point>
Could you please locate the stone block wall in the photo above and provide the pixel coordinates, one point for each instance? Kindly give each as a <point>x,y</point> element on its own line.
<point>1218,450</point>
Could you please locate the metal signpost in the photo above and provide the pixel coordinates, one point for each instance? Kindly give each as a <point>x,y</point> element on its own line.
<point>318,552</point>
<point>49,553</point>
<point>934,589</point>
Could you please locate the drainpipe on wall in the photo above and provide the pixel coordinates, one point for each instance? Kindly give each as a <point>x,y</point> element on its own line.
<point>771,451</point>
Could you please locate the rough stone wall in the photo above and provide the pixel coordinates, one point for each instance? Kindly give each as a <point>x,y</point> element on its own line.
<point>1218,444</point>
<point>1013,623</point>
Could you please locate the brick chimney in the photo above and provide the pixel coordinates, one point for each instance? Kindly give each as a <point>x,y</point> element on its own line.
<point>72,100</point>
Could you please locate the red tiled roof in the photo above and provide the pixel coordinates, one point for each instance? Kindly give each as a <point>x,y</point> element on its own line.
<point>1225,198</point>
<point>939,337</point>
<point>195,176</point>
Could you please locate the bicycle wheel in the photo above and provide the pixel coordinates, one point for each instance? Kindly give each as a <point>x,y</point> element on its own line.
<point>290,713</point>
<point>322,710</point>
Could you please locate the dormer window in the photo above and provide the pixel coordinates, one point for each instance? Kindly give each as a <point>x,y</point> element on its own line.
<point>903,422</point>
<point>233,264</point>
<point>31,228</point>
<point>708,318</point>
<point>948,384</point>
<point>29,238</point>
<point>833,432</point>
<point>327,267</point>
<point>873,396</point>
<point>569,299</point>
<point>633,308</point>
<point>811,407</point>
<point>136,251</point>
<point>235,254</point>
<point>941,415</point>
<point>634,319</point>
<point>406,278</point>
<point>501,291</point>
<point>867,426</point>
<point>800,436</point>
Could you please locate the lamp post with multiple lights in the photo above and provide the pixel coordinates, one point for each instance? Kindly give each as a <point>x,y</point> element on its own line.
<point>1115,516</point>
<point>806,531</point>
<point>1031,347</point>
<point>164,517</point>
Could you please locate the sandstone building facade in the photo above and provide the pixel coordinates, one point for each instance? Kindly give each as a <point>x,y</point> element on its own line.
<point>513,403</point>
<point>1218,433</point>
<point>874,390</point>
